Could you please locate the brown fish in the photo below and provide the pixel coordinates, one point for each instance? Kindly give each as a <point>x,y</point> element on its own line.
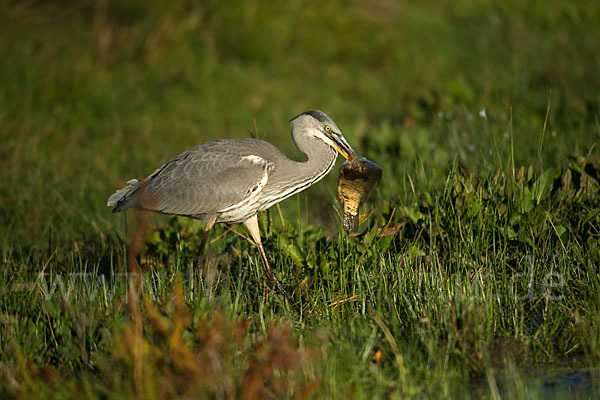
<point>356,179</point>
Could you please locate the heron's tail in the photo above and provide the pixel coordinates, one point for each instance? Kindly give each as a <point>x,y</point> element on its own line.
<point>124,198</point>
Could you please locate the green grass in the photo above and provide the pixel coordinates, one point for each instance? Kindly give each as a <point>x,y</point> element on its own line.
<point>476,275</point>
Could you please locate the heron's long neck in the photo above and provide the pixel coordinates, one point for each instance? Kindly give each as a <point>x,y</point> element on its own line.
<point>321,158</point>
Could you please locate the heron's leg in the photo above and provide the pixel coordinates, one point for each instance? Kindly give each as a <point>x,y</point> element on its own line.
<point>252,225</point>
<point>198,259</point>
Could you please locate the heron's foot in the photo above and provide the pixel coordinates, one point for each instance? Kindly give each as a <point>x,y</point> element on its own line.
<point>199,261</point>
<point>203,266</point>
<point>279,287</point>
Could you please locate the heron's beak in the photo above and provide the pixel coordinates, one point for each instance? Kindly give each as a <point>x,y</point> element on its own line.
<point>341,145</point>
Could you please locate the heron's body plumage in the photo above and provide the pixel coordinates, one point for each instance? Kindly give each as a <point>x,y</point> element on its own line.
<point>232,179</point>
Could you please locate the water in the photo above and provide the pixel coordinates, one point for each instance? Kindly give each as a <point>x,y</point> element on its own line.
<point>543,382</point>
<point>574,384</point>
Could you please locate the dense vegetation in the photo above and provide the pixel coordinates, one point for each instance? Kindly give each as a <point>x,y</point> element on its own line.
<point>476,272</point>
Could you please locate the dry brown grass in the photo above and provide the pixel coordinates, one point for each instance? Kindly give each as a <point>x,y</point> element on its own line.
<point>164,352</point>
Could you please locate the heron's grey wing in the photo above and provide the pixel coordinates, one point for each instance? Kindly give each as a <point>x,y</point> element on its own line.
<point>204,182</point>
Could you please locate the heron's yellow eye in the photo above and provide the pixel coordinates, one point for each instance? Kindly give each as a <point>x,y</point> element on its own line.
<point>327,128</point>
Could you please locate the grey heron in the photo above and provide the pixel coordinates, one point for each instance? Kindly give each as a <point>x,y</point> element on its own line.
<point>232,180</point>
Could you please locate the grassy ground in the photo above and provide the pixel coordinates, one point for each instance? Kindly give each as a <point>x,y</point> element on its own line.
<point>476,275</point>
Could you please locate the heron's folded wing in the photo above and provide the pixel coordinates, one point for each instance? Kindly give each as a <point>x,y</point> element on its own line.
<point>204,183</point>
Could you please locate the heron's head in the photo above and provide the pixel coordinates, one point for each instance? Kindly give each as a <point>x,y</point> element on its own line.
<point>317,124</point>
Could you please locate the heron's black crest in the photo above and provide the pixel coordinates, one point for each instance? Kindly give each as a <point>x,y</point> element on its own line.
<point>316,114</point>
